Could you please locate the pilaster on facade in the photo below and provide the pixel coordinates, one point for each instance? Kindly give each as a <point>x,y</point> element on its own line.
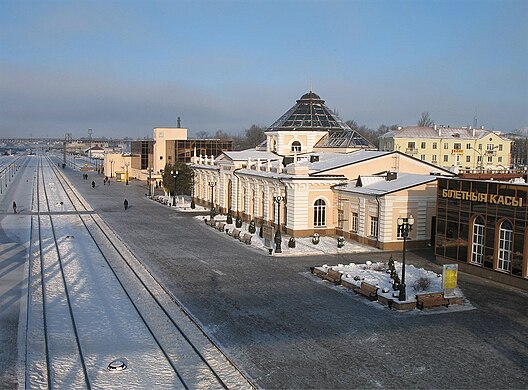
<point>362,218</point>
<point>297,218</point>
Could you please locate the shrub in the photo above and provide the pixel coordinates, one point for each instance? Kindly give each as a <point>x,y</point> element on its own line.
<point>238,222</point>
<point>291,242</point>
<point>421,284</point>
<point>252,228</point>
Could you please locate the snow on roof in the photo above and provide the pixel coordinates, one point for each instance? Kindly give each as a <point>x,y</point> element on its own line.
<point>335,160</point>
<point>440,132</point>
<point>243,155</point>
<point>383,187</point>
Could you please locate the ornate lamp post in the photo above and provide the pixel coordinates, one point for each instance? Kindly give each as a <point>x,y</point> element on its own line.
<point>193,205</point>
<point>174,175</point>
<point>212,184</point>
<point>278,237</point>
<point>126,173</point>
<point>404,228</point>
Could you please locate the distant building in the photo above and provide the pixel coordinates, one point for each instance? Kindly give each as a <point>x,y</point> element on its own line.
<point>464,148</point>
<point>148,158</point>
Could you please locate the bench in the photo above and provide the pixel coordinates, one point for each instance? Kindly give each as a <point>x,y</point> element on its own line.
<point>246,238</point>
<point>368,290</point>
<point>220,226</point>
<point>235,233</point>
<point>211,222</point>
<point>333,276</point>
<point>431,300</point>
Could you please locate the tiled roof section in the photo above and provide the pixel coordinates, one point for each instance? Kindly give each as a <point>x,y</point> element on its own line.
<point>440,132</point>
<point>309,113</point>
<point>382,187</point>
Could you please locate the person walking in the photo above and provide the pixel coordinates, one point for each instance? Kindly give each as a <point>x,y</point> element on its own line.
<point>125,203</point>
<point>14,207</point>
<point>93,184</point>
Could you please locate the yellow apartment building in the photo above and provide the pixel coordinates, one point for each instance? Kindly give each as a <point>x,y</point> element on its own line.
<point>463,148</point>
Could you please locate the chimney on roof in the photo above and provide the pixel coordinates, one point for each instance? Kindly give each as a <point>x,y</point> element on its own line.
<point>391,176</point>
<point>179,123</point>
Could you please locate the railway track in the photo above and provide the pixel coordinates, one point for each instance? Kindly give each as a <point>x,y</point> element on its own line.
<point>96,317</point>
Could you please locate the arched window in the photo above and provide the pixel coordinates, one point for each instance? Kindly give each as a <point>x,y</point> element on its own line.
<point>477,247</point>
<point>319,213</point>
<point>296,146</point>
<point>505,245</point>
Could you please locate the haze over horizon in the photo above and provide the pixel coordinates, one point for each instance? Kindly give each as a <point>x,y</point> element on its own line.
<point>124,67</point>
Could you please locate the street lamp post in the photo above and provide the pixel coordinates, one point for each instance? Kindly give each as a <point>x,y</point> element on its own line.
<point>112,169</point>
<point>404,227</point>
<point>212,185</point>
<point>278,237</point>
<point>174,175</point>
<point>126,172</point>
<point>193,205</point>
<point>149,181</point>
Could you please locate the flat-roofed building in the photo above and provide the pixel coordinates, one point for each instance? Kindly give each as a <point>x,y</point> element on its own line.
<point>482,226</point>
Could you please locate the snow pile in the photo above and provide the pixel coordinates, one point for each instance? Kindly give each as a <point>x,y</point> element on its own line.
<point>377,274</point>
<point>303,246</point>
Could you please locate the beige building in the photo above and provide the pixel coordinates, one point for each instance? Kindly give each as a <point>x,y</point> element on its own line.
<point>328,180</point>
<point>464,148</point>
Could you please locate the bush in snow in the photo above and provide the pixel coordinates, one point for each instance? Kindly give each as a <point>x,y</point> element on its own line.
<point>421,284</point>
<point>315,238</point>
<point>261,234</point>
<point>251,227</point>
<point>340,242</point>
<point>229,218</point>
<point>238,222</point>
<point>291,242</point>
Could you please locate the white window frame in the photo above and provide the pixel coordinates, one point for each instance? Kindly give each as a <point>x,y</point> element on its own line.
<point>505,247</point>
<point>296,146</point>
<point>354,222</point>
<point>477,246</point>
<point>319,213</point>
<point>374,226</point>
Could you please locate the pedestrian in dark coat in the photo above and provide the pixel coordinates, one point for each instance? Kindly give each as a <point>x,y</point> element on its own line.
<point>125,203</point>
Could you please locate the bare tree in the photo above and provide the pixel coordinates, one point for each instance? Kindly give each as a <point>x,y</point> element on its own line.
<point>221,134</point>
<point>202,134</point>
<point>425,120</point>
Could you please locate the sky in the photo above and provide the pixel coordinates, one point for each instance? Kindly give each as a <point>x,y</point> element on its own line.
<point>122,68</point>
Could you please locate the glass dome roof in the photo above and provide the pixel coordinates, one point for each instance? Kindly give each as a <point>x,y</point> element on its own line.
<point>311,114</point>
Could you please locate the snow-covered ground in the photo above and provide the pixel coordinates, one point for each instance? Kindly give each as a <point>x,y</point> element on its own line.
<point>91,302</point>
<point>303,246</point>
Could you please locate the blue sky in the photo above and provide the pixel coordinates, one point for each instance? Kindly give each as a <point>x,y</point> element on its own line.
<point>124,67</point>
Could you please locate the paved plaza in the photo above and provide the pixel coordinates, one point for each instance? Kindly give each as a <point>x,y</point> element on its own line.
<point>287,329</point>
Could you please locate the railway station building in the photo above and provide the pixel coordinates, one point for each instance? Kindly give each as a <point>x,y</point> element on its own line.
<point>320,176</point>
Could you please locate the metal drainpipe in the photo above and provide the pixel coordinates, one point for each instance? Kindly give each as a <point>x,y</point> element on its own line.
<point>379,220</point>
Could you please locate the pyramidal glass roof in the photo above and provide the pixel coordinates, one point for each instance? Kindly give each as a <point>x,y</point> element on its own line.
<point>311,114</point>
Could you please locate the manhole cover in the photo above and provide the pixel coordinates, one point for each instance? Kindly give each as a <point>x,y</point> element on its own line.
<point>117,365</point>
